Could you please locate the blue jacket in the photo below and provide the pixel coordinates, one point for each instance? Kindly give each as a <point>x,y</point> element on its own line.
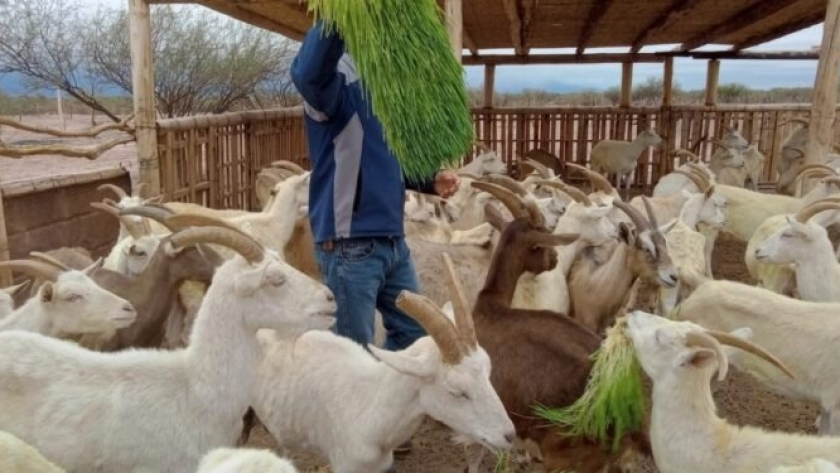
<point>357,187</point>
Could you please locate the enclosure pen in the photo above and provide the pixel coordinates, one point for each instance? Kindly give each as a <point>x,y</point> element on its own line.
<point>614,403</point>
<point>415,84</point>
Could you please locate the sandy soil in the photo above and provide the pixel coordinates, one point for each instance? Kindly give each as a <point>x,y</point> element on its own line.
<point>740,399</point>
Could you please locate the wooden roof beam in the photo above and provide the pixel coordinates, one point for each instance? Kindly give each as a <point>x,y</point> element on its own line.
<point>469,42</point>
<point>512,12</point>
<point>599,8</point>
<point>235,11</point>
<point>783,30</point>
<point>744,18</point>
<point>664,21</point>
<point>596,58</point>
<point>527,20</point>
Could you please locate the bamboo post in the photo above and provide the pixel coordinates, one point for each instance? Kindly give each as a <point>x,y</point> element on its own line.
<point>489,84</point>
<point>668,82</point>
<point>823,106</point>
<point>142,79</point>
<point>455,26</point>
<point>626,84</point>
<point>712,78</point>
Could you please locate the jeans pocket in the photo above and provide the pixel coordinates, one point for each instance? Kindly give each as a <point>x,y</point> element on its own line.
<point>357,250</point>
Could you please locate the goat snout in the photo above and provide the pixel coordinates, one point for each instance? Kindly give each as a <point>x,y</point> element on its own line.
<point>668,278</point>
<point>510,437</point>
<point>128,308</point>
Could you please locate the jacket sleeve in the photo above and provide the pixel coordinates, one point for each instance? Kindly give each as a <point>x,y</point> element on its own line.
<point>315,69</point>
<point>424,187</point>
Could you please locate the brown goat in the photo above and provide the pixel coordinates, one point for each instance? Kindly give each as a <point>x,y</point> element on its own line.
<point>538,356</point>
<point>598,289</point>
<point>153,292</point>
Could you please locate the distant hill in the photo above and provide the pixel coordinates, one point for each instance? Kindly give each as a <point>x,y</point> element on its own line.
<point>13,84</point>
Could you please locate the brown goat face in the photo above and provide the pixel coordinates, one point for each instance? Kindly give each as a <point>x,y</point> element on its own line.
<point>656,263</point>
<point>539,260</point>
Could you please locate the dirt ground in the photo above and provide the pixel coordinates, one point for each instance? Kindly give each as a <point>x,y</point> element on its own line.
<point>739,398</point>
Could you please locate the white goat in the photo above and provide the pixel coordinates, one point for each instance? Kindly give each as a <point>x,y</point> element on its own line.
<point>777,277</point>
<point>620,157</point>
<point>674,182</point>
<point>803,243</point>
<point>686,434</point>
<point>802,334</point>
<point>488,162</point>
<point>185,402</point>
<point>16,456</point>
<point>243,460</point>
<point>68,303</point>
<point>445,376</point>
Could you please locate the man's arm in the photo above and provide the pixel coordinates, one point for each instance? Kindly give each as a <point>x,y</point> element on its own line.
<point>314,70</point>
<point>426,186</point>
<point>444,183</point>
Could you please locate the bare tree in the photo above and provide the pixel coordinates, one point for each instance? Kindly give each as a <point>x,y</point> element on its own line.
<point>40,41</point>
<point>204,63</point>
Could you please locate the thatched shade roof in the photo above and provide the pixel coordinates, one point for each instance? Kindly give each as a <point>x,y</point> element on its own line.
<point>525,24</point>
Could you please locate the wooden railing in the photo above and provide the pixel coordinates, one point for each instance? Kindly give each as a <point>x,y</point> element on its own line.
<point>214,160</point>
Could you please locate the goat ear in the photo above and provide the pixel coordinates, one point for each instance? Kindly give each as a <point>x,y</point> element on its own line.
<point>668,226</point>
<point>626,234</point>
<point>449,311</point>
<point>494,217</point>
<point>698,358</point>
<point>47,292</point>
<point>417,366</point>
<point>96,265</point>
<point>250,281</point>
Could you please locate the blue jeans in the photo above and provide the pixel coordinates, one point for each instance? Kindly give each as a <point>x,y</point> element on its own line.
<point>366,274</point>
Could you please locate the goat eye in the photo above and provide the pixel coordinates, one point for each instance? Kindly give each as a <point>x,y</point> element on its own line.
<point>73,297</point>
<point>461,395</point>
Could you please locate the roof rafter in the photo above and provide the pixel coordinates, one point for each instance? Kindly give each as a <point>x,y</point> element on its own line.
<point>599,8</point>
<point>243,14</point>
<point>783,30</point>
<point>512,12</point>
<point>744,18</point>
<point>527,19</point>
<point>664,21</point>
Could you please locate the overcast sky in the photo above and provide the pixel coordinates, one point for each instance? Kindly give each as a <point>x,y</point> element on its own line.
<point>689,74</point>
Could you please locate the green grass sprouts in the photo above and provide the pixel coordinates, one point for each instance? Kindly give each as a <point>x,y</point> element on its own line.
<point>614,402</point>
<point>415,84</point>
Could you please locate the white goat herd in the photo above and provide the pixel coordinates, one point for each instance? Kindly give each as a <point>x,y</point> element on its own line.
<point>205,320</point>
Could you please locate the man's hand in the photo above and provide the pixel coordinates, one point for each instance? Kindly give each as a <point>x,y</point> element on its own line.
<point>446,183</point>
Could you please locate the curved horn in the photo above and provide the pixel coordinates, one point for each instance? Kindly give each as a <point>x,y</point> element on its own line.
<point>697,180</point>
<point>692,157</point>
<point>697,338</point>
<point>436,324</point>
<point>635,216</point>
<point>651,215</point>
<point>746,345</point>
<point>805,214</point>
<point>832,180</point>
<point>824,167</point>
<point>541,168</point>
<point>700,173</point>
<point>507,182</point>
<point>151,211</point>
<point>38,269</point>
<point>289,166</point>
<point>598,181</point>
<point>185,220</point>
<point>252,251</point>
<point>575,193</point>
<point>45,258</point>
<point>469,175</point>
<point>109,209</point>
<point>119,191</point>
<point>482,146</point>
<point>463,315</point>
<point>505,196</point>
<point>801,121</point>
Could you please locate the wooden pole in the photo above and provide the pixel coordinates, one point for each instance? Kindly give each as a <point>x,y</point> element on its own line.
<point>712,78</point>
<point>60,109</point>
<point>626,84</point>
<point>668,83</point>
<point>5,254</point>
<point>142,78</point>
<point>455,26</point>
<point>489,84</point>
<point>825,89</point>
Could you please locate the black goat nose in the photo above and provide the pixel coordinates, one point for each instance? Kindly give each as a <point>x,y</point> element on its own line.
<point>510,437</point>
